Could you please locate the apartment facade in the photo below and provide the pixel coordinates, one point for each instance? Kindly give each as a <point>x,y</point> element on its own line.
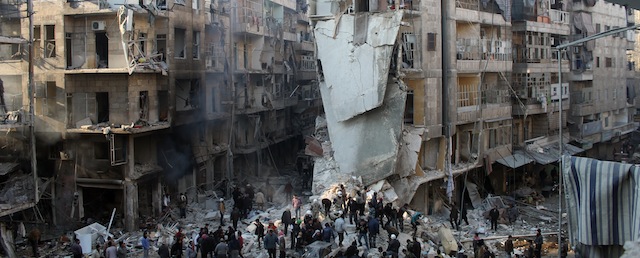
<point>482,92</point>
<point>135,100</point>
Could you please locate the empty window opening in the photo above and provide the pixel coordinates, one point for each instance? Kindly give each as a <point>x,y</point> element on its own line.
<point>608,62</point>
<point>408,108</point>
<point>50,41</point>
<point>102,105</point>
<point>196,44</point>
<point>179,43</point>
<point>163,105</point>
<point>68,49</point>
<point>101,150</point>
<point>51,104</point>
<point>161,45</point>
<point>362,6</point>
<point>142,42</point>
<point>102,50</point>
<point>143,101</point>
<point>37,41</point>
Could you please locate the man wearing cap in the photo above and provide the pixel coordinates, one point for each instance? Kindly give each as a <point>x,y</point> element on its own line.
<point>394,247</point>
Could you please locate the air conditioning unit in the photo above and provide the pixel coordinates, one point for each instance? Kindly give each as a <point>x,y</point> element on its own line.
<point>97,25</point>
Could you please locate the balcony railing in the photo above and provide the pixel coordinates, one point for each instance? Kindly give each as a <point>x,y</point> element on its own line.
<point>468,95</point>
<point>558,16</point>
<point>477,6</point>
<point>481,49</point>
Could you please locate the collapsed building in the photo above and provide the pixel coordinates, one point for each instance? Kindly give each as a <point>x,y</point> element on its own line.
<point>133,100</point>
<point>453,100</point>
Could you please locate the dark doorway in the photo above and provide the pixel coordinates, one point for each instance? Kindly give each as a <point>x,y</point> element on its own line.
<point>102,50</point>
<point>102,104</point>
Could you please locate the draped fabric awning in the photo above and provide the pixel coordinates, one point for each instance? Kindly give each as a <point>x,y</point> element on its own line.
<point>603,202</point>
<point>518,159</point>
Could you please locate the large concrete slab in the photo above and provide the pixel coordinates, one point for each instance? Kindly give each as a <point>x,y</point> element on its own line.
<point>355,73</point>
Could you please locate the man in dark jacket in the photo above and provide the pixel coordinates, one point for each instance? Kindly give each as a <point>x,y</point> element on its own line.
<point>326,203</point>
<point>352,250</point>
<point>235,217</point>
<point>493,215</point>
<point>76,250</point>
<point>286,220</point>
<point>374,229</point>
<point>508,246</point>
<point>163,251</point>
<point>538,241</point>
<point>394,247</point>
<point>453,217</point>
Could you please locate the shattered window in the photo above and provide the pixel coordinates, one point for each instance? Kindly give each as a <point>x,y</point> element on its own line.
<point>50,41</point>
<point>180,2</point>
<point>409,49</point>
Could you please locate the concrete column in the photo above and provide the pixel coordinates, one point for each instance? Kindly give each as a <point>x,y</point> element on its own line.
<point>130,189</point>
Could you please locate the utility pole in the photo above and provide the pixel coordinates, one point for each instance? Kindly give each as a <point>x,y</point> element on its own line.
<point>232,70</point>
<point>31,91</point>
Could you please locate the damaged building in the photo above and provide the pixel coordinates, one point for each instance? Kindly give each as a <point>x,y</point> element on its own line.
<point>454,100</point>
<point>133,100</point>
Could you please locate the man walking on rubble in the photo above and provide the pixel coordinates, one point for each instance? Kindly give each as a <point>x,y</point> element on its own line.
<point>340,228</point>
<point>494,214</point>
<point>286,220</point>
<point>374,229</point>
<point>453,217</point>
<point>362,229</point>
<point>144,242</point>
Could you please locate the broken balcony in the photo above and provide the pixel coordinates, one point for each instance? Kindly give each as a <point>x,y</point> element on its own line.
<point>249,20</point>
<point>17,190</point>
<point>93,46</point>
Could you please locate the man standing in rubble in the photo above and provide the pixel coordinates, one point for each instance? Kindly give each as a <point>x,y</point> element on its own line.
<point>296,203</point>
<point>183,205</point>
<point>362,229</point>
<point>144,242</point>
<point>270,243</point>
<point>374,229</point>
<point>453,217</point>
<point>538,241</point>
<point>340,228</point>
<point>494,214</point>
<point>76,250</point>
<point>393,247</point>
<point>34,235</point>
<point>508,246</point>
<point>222,209</point>
<point>286,220</point>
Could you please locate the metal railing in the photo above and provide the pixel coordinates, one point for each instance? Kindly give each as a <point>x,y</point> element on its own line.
<point>558,16</point>
<point>482,49</point>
